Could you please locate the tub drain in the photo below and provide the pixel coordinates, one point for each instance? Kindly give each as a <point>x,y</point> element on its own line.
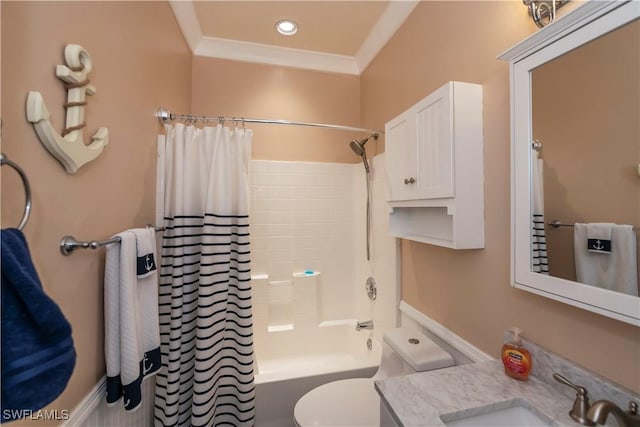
<point>369,344</point>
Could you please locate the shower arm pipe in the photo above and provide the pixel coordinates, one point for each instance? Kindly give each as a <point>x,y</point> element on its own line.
<point>166,116</point>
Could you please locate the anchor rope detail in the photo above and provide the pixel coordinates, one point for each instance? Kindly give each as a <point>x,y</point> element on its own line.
<point>68,146</point>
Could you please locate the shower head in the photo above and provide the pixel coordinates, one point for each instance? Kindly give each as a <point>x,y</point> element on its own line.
<point>358,148</point>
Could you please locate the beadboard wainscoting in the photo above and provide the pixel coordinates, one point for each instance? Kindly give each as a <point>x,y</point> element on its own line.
<point>93,411</point>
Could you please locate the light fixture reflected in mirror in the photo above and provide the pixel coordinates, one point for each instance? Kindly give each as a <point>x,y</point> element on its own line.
<point>543,12</point>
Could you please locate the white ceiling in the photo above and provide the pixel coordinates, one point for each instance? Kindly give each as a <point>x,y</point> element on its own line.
<point>334,36</point>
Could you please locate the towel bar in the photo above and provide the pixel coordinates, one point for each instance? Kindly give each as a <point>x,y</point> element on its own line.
<point>557,224</point>
<point>27,189</point>
<point>68,244</point>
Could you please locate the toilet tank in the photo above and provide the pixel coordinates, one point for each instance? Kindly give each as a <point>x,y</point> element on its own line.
<point>407,351</point>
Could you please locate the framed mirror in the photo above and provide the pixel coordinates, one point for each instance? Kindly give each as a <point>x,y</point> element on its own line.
<point>575,105</point>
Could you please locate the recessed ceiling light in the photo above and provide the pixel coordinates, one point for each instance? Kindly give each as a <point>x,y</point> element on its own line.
<point>287,27</point>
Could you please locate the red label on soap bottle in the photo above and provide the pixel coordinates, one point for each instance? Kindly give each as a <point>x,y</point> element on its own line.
<point>517,362</point>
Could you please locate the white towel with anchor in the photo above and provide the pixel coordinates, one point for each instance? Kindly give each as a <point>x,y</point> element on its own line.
<point>605,256</point>
<point>132,338</point>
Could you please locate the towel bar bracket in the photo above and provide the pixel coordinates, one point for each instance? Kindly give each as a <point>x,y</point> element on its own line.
<point>68,244</point>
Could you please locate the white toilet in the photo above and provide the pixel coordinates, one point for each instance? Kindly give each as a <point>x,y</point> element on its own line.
<point>355,402</point>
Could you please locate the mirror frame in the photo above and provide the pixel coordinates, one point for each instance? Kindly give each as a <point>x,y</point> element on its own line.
<point>583,24</point>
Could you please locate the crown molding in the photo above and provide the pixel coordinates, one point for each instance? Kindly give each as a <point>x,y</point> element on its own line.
<point>276,55</point>
<point>390,20</point>
<point>187,18</point>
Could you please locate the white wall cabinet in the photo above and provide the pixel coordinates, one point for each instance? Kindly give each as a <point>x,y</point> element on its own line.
<point>435,170</point>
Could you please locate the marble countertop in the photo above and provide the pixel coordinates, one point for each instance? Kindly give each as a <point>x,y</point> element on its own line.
<point>430,398</point>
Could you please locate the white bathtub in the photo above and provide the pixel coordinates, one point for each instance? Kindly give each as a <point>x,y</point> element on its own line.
<point>291,365</point>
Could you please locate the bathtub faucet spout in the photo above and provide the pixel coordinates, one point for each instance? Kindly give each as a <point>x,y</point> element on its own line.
<point>364,325</point>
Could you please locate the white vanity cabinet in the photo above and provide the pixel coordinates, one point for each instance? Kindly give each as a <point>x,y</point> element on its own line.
<point>434,169</point>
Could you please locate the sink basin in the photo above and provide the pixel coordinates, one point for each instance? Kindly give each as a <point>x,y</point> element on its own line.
<point>516,416</point>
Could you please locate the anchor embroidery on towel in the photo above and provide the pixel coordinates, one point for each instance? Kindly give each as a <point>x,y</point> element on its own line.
<point>146,368</point>
<point>145,265</point>
<point>599,246</point>
<point>148,264</point>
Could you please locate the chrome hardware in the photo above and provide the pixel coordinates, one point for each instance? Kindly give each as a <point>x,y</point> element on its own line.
<point>364,325</point>
<point>556,223</point>
<point>414,341</point>
<point>68,244</point>
<point>372,291</point>
<point>602,408</point>
<point>166,116</point>
<point>580,405</point>
<point>543,12</point>
<point>369,344</point>
<point>409,180</point>
<point>27,189</point>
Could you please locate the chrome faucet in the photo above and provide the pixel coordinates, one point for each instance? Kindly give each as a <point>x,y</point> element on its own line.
<point>364,325</point>
<point>602,408</point>
<point>590,415</point>
<point>581,405</point>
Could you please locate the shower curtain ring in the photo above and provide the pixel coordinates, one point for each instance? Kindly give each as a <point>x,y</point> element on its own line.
<point>221,120</point>
<point>243,124</point>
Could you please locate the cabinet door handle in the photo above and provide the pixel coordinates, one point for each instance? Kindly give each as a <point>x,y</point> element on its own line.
<point>410,180</point>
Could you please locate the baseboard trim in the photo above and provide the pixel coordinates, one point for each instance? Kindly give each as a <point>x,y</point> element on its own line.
<point>89,404</point>
<point>465,347</point>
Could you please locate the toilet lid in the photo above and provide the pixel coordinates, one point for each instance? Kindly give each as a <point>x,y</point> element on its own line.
<point>351,403</point>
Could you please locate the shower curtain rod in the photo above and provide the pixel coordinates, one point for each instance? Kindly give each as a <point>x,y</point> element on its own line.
<point>166,116</point>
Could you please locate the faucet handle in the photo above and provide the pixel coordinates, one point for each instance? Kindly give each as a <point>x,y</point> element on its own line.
<point>581,404</point>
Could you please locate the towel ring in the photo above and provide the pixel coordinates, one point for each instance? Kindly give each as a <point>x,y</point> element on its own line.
<point>27,189</point>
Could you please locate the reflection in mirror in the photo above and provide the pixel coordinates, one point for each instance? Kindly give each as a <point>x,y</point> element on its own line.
<point>586,110</point>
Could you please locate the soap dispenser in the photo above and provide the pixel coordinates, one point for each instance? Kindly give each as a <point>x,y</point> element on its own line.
<point>515,358</point>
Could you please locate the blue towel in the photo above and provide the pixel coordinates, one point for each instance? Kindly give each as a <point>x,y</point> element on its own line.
<point>37,349</point>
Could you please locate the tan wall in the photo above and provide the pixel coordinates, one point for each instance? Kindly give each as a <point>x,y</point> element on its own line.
<point>139,65</point>
<point>586,116</point>
<point>468,291</point>
<point>142,63</point>
<point>242,89</point>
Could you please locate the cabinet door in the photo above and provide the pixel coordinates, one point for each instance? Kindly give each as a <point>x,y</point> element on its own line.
<point>401,157</point>
<point>433,117</point>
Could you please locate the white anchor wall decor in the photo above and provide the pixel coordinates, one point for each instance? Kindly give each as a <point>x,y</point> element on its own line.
<point>69,148</point>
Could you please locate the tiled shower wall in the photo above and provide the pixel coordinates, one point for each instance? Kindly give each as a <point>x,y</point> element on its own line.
<point>312,217</point>
<point>303,219</point>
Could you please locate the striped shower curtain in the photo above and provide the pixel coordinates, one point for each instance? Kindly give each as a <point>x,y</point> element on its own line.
<point>539,260</point>
<point>206,377</point>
